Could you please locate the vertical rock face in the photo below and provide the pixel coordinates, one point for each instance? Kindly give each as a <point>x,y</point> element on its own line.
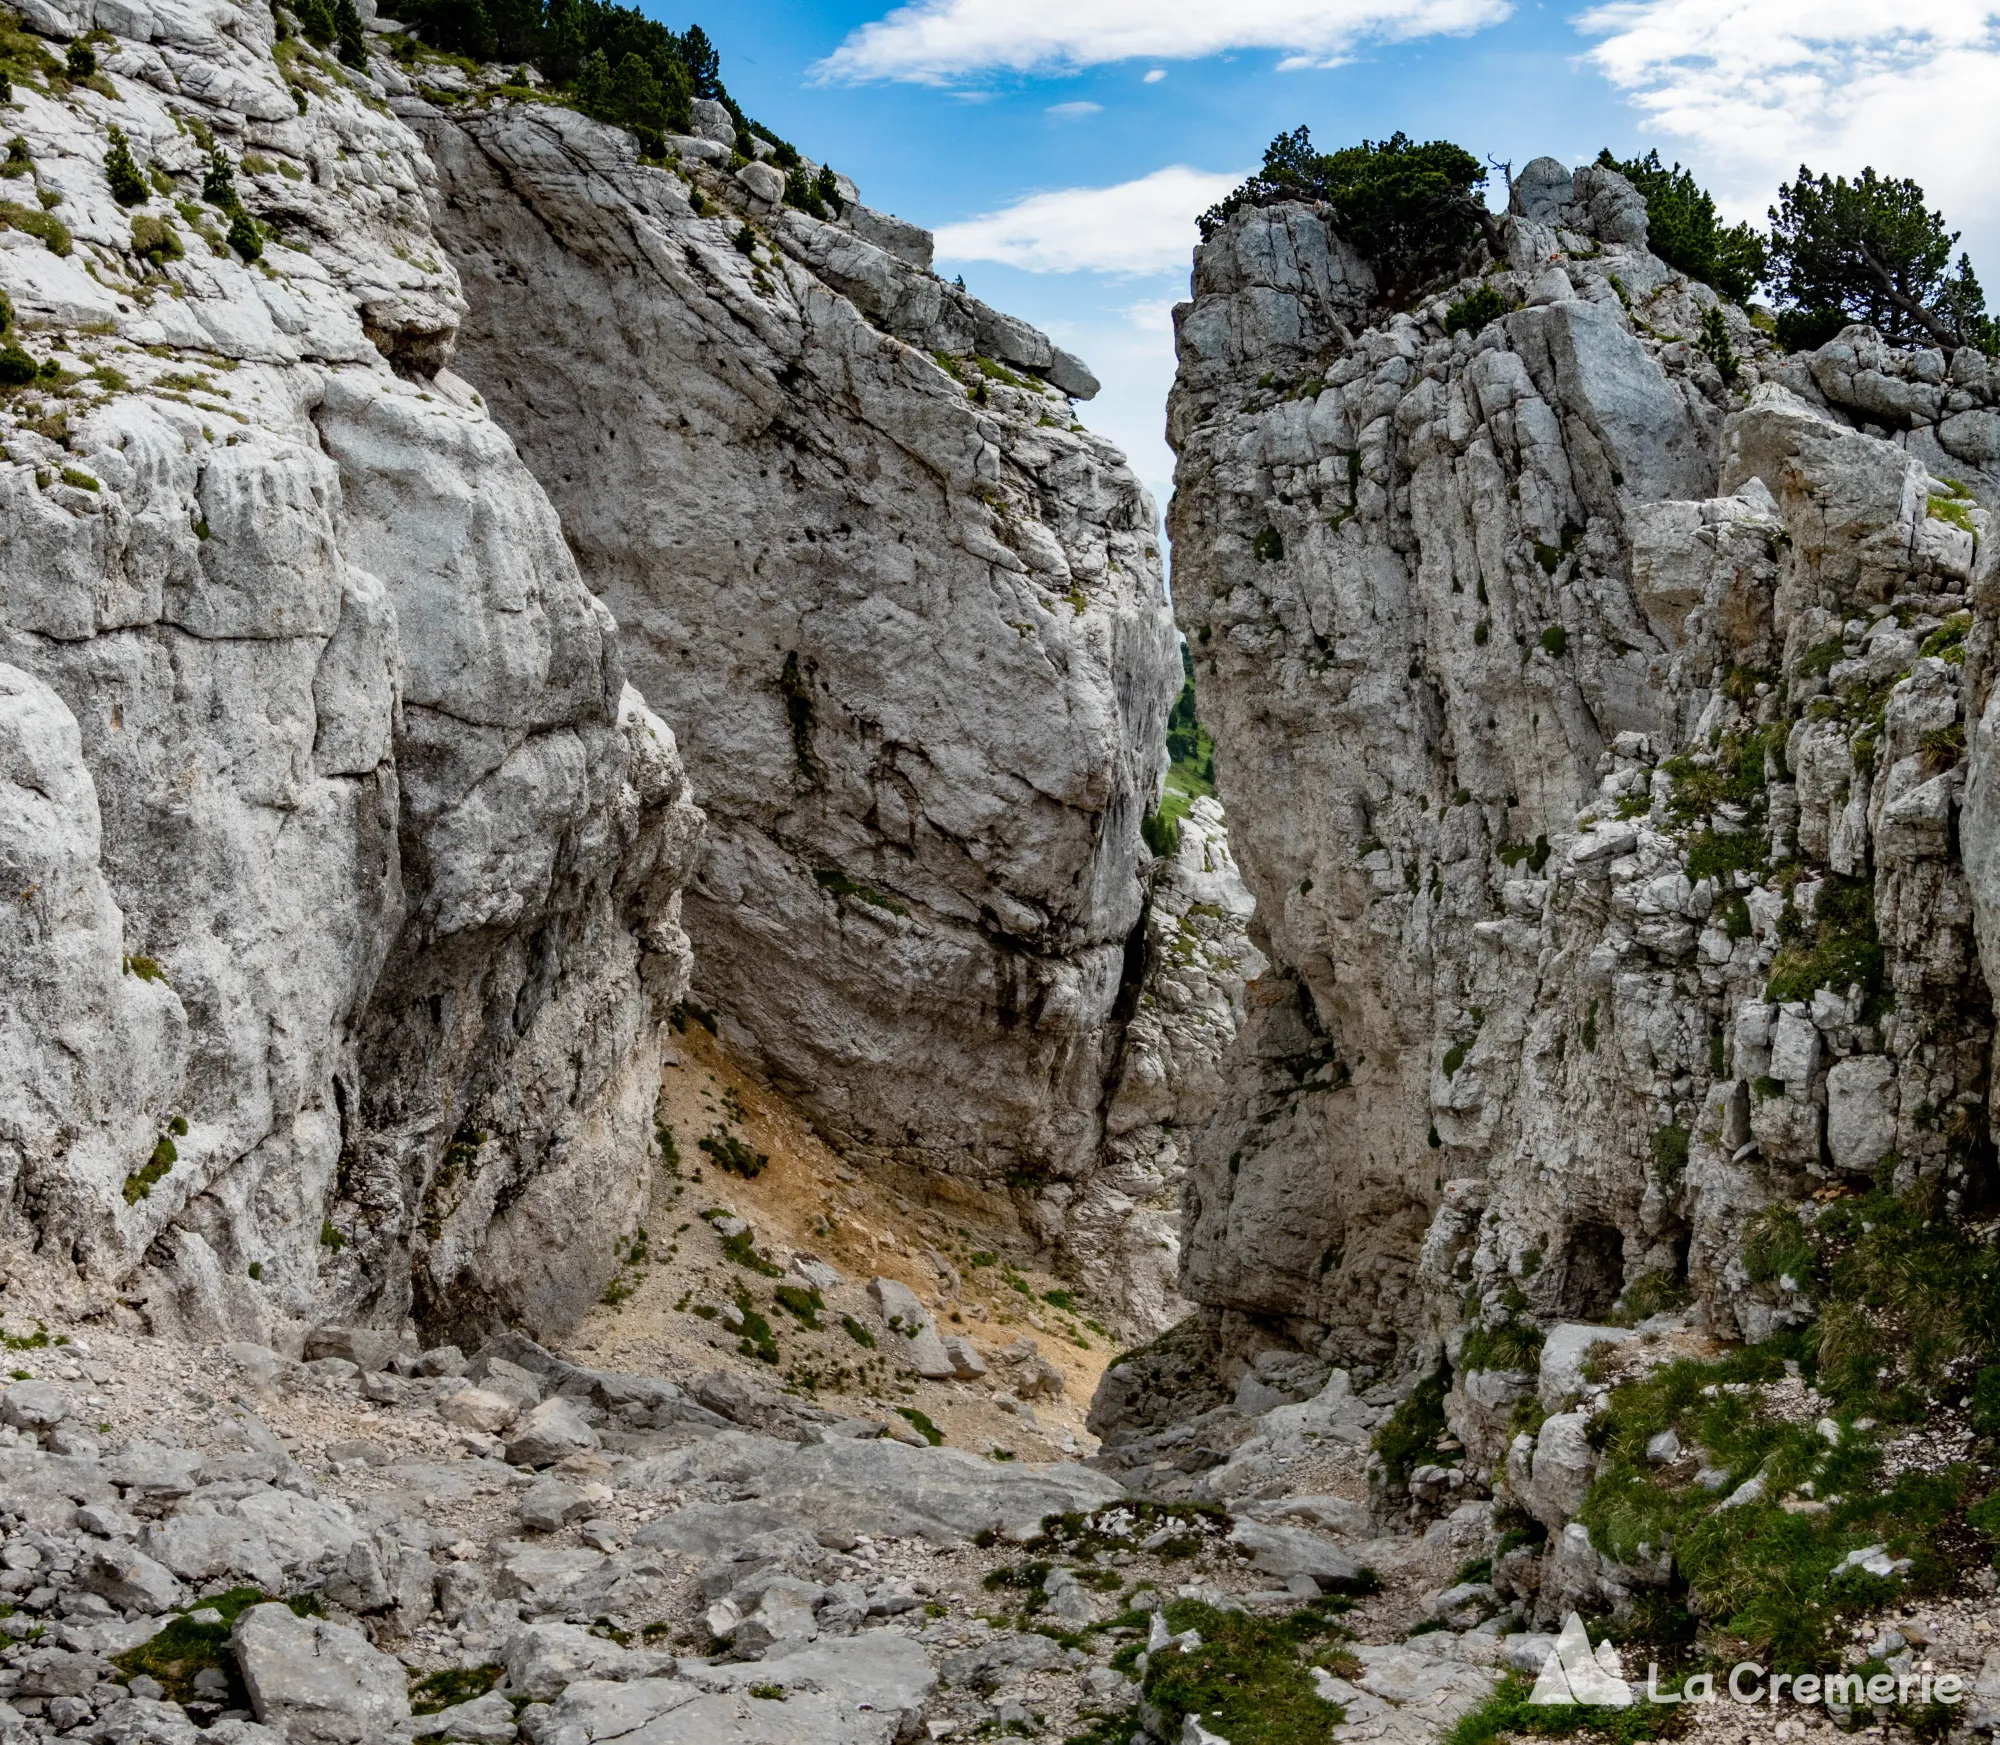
<point>343,867</point>
<point>905,614</point>
<point>1593,733</point>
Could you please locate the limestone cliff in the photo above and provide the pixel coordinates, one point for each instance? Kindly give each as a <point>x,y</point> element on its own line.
<point>343,868</point>
<point>904,612</point>
<point>1594,736</point>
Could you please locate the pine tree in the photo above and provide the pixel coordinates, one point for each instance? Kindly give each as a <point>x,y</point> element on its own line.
<point>244,237</point>
<point>347,28</point>
<point>128,187</point>
<point>218,183</point>
<point>1870,251</point>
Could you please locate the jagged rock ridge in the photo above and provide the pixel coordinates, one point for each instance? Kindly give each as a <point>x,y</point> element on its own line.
<point>344,866</point>
<point>906,616</point>
<point>1594,736</point>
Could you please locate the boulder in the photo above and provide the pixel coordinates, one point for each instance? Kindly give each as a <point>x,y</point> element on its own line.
<point>1564,1353</point>
<point>131,1580</point>
<point>917,1342</point>
<point>1563,1465</point>
<point>487,1720</point>
<point>966,1363</point>
<point>543,1658</point>
<point>713,122</point>
<point>316,1682</point>
<point>33,1405</point>
<point>1464,1604</point>
<point>764,183</point>
<point>550,1505</point>
<point>364,1347</point>
<point>475,1408</point>
<point>552,1431</point>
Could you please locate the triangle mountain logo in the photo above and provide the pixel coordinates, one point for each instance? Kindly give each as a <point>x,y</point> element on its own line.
<point>1575,1673</point>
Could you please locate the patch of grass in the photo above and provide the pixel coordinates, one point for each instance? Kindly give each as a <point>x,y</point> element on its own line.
<point>1842,950</point>
<point>802,1303</point>
<point>1907,1302</point>
<point>842,886</point>
<point>1268,546</point>
<point>1954,511</point>
<point>1821,658</point>
<point>33,221</point>
<point>757,1340</point>
<point>1250,1679</point>
<point>1409,1437</point>
<point>1476,308</point>
<point>1507,1712</point>
<point>450,1686</point>
<point>1160,833</point>
<point>1670,1154</point>
<point>730,1153</point>
<point>857,1332</point>
<point>185,1649</point>
<point>921,1423</point>
<point>1943,747</point>
<point>741,1250</point>
<point>1514,854</point>
<point>1514,1345</point>
<point>140,1184</point>
<point>155,240</point>
<point>1947,641</point>
<point>1084,1536</point>
<point>1656,1293</point>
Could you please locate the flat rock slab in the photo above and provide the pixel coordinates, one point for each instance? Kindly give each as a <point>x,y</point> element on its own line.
<point>887,1489</point>
<point>1404,1696</point>
<point>852,1692</point>
<point>1330,1514</point>
<point>1289,1551</point>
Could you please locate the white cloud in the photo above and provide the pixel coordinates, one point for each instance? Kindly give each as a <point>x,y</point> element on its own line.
<point>1074,111</point>
<point>1155,76</point>
<point>935,41</point>
<point>1759,85</point>
<point>1138,227</point>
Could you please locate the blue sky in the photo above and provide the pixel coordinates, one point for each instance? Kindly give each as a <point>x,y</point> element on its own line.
<point>1061,147</point>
